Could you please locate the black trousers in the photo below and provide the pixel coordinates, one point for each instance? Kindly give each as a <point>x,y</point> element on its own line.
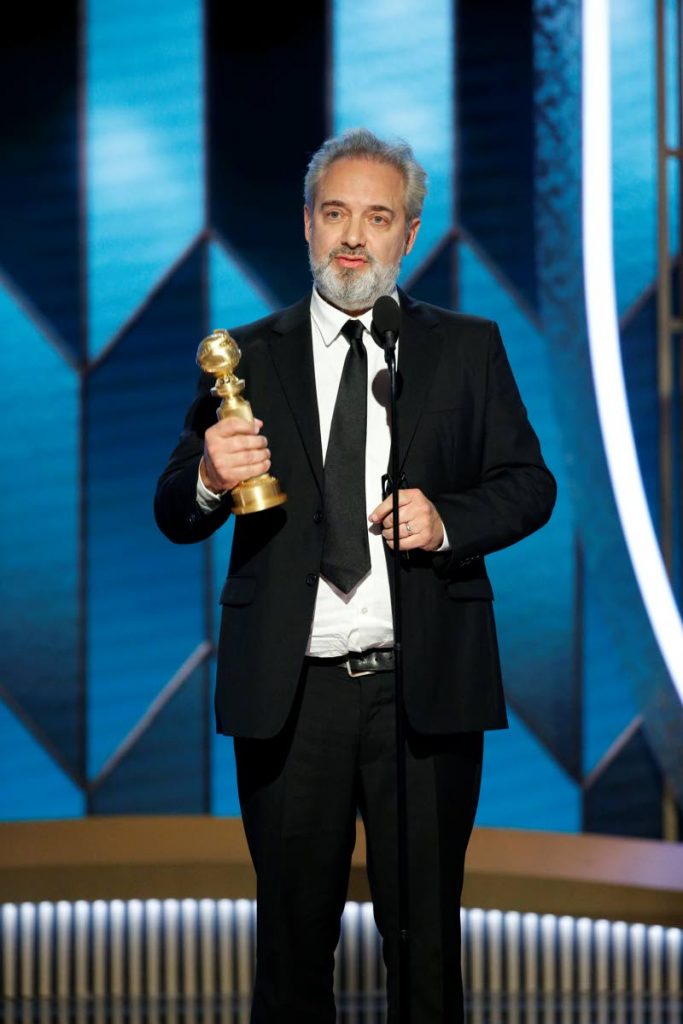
<point>299,795</point>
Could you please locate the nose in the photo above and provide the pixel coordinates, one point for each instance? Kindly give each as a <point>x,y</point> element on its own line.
<point>354,232</point>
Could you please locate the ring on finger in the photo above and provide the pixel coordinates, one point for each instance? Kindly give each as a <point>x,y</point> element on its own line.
<point>408,527</point>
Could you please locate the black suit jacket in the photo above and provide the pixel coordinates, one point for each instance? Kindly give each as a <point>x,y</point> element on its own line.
<point>465,441</point>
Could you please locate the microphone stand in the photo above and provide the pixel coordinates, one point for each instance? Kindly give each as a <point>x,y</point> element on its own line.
<point>403,912</point>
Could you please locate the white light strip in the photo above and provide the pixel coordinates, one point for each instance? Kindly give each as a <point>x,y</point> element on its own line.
<point>507,955</point>
<point>605,352</point>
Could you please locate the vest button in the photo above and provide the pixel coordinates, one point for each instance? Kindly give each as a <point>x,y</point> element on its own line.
<point>318,516</point>
<point>312,579</point>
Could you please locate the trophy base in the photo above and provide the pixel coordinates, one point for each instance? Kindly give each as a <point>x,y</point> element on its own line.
<point>257,494</point>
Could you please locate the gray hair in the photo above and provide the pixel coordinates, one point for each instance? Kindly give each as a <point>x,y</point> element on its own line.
<point>360,143</point>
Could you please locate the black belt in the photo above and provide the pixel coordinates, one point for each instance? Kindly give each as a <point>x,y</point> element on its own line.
<point>361,663</point>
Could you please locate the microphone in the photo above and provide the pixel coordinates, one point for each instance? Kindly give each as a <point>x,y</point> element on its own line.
<point>386,322</point>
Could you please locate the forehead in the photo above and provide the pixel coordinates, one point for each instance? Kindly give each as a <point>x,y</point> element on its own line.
<point>360,182</point>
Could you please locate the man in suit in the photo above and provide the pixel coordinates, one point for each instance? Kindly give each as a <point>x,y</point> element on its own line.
<point>305,660</point>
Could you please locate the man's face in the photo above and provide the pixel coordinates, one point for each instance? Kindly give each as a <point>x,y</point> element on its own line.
<point>357,233</point>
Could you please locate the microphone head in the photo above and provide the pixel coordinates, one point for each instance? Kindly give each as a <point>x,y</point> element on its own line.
<point>386,319</point>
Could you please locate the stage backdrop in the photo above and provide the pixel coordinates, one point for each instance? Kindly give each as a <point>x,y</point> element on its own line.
<point>150,190</point>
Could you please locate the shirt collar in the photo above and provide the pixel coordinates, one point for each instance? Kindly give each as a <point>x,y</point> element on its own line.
<point>330,320</point>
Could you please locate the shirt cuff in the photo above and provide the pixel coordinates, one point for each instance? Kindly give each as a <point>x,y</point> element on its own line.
<point>206,499</point>
<point>444,546</point>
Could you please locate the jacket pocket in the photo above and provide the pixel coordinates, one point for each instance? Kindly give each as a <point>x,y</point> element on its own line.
<point>477,589</point>
<point>238,590</point>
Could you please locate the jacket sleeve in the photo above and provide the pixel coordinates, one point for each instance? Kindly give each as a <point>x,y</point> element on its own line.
<point>516,491</point>
<point>176,511</point>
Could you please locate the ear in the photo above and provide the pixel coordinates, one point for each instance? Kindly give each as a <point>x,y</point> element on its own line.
<point>307,224</point>
<point>412,234</point>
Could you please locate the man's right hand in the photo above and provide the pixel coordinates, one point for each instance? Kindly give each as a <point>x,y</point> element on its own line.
<point>234,450</point>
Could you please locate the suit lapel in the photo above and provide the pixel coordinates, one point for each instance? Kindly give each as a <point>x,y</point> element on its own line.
<point>292,353</point>
<point>418,356</point>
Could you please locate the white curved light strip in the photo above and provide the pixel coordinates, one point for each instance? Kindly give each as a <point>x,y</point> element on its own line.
<point>605,352</point>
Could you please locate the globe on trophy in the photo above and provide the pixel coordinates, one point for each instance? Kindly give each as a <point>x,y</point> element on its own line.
<point>218,355</point>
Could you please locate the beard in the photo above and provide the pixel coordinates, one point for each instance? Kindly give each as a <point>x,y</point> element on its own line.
<point>350,289</point>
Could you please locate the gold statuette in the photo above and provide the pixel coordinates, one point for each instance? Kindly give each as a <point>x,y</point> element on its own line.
<point>218,355</point>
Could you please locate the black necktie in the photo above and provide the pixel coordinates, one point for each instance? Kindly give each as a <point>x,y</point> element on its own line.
<point>346,552</point>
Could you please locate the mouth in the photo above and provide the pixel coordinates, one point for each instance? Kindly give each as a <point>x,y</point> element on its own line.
<point>349,261</point>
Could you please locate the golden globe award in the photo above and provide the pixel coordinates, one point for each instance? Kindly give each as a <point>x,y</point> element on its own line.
<point>218,355</point>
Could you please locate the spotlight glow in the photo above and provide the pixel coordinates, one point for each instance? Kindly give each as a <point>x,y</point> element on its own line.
<point>605,352</point>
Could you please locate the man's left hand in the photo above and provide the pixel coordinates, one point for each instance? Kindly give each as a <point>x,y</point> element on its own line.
<point>420,525</point>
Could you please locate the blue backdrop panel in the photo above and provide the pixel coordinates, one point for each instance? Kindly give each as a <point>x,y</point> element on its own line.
<point>608,704</point>
<point>39,530</point>
<point>523,785</point>
<point>639,359</point>
<point>39,232</point>
<point>145,596</point>
<point>145,163</point>
<point>105,224</point>
<point>31,783</point>
<point>673,58</point>
<point>496,145</point>
<point>634,147</point>
<point>538,634</point>
<point>393,73</point>
<point>235,297</point>
<point>267,113</point>
<point>165,771</point>
<point>626,798</point>
<point>436,281</point>
<point>558,224</point>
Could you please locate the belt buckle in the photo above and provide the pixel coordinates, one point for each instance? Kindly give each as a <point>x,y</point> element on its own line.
<point>357,675</point>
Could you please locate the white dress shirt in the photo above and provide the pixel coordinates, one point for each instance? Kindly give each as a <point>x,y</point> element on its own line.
<point>361,618</point>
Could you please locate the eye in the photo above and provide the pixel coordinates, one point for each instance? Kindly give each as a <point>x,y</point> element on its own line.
<point>332,214</point>
<point>379,219</point>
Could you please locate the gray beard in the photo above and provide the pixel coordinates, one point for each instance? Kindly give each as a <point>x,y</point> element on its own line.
<point>349,290</point>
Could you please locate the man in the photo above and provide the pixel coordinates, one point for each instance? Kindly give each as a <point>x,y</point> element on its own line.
<point>305,681</point>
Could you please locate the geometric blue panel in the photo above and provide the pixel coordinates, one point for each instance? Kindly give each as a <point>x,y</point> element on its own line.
<point>145,603</point>
<point>39,529</point>
<point>145,167</point>
<point>562,303</point>
<point>608,704</point>
<point>534,581</point>
<point>393,73</point>
<point>626,797</point>
<point>673,58</point>
<point>639,360</point>
<point>523,787</point>
<point>673,175</point>
<point>164,772</point>
<point>40,232</point>
<point>31,784</point>
<point>634,147</point>
<point>437,279</point>
<point>235,298</point>
<point>495,82</point>
<point>267,111</point>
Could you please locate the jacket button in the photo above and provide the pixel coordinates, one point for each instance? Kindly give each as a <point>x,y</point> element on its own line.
<point>312,579</point>
<point>318,516</point>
